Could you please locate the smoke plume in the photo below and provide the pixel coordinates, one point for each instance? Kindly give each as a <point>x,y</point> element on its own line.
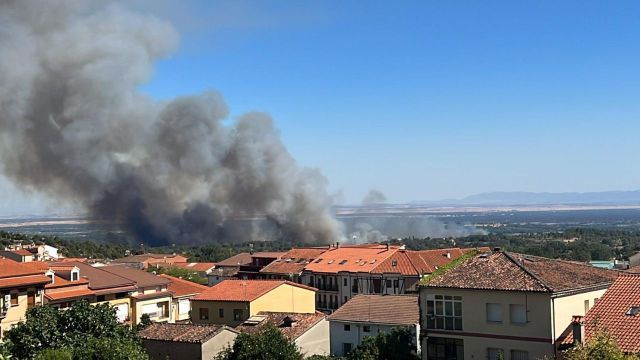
<point>374,196</point>
<point>74,126</point>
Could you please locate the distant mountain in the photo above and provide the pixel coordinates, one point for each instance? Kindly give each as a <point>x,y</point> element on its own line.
<point>532,198</point>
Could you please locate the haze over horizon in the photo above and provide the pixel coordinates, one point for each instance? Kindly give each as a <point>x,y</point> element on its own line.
<point>422,101</point>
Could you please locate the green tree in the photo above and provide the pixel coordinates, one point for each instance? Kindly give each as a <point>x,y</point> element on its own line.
<point>73,329</point>
<point>602,347</point>
<point>267,344</point>
<point>55,354</point>
<point>398,344</point>
<point>181,273</point>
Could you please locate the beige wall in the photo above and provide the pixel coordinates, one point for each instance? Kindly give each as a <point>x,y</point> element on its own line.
<point>285,298</point>
<point>214,308</point>
<point>222,340</point>
<point>566,307</point>
<point>316,340</point>
<point>16,314</point>
<point>139,304</point>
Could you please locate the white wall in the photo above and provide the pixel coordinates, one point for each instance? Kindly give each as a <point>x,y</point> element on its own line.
<point>356,334</point>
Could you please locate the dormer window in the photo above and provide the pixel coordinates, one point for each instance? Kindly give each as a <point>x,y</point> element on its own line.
<point>50,275</point>
<point>633,311</point>
<point>343,262</point>
<point>75,275</point>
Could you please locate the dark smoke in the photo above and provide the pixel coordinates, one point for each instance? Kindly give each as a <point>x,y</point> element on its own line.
<point>74,126</point>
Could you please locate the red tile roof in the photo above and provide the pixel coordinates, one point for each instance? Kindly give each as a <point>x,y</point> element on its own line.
<point>23,281</point>
<point>268,254</point>
<point>380,309</point>
<point>610,314</point>
<point>201,267</point>
<point>351,259</point>
<point>293,261</point>
<point>103,281</point>
<point>518,272</point>
<point>140,277</point>
<point>187,333</point>
<point>180,287</point>
<point>22,252</point>
<point>292,325</point>
<point>10,268</point>
<point>59,282</point>
<point>70,294</point>
<point>235,260</point>
<point>243,290</point>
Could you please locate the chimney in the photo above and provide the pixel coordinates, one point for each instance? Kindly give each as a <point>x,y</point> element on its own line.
<point>251,249</point>
<point>448,255</point>
<point>577,325</point>
<point>337,244</point>
<point>387,246</point>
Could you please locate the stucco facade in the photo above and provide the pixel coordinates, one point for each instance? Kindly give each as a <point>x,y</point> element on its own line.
<point>15,310</point>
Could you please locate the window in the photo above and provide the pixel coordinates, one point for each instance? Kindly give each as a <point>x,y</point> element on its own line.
<point>237,314</point>
<point>347,327</point>
<point>100,298</point>
<point>74,276</point>
<point>519,355</point>
<point>494,313</point>
<point>121,295</point>
<point>444,348</point>
<point>14,299</point>
<point>221,313</point>
<point>586,306</point>
<point>389,282</point>
<point>396,283</point>
<point>518,314</point>
<point>633,311</point>
<point>204,314</point>
<point>346,348</point>
<point>444,312</point>
<point>344,282</point>
<point>163,309</point>
<point>366,328</point>
<point>495,354</point>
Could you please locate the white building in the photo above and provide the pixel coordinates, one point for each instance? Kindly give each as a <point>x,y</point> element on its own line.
<point>369,315</point>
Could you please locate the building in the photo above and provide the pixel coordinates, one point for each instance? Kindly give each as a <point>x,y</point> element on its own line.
<point>151,295</point>
<point>369,315</point>
<point>143,261</point>
<point>21,287</point>
<point>243,266</point>
<point>291,264</point>
<point>342,272</point>
<point>231,302</point>
<point>107,288</point>
<point>181,292</point>
<point>310,332</point>
<point>67,286</point>
<point>617,312</point>
<point>203,269</point>
<point>258,261</point>
<point>19,255</point>
<point>505,305</point>
<point>164,341</point>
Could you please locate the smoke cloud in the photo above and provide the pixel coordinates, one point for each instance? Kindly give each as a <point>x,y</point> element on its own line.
<point>74,126</point>
<point>374,197</point>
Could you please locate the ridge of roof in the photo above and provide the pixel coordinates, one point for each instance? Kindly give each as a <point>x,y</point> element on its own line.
<point>524,268</point>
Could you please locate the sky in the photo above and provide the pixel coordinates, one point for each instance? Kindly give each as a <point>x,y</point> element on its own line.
<point>423,100</point>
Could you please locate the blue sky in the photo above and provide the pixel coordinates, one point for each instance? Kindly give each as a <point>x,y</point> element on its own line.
<point>426,99</point>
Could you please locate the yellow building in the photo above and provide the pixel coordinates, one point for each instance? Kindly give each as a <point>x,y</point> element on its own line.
<point>508,306</point>
<point>182,292</point>
<point>231,302</point>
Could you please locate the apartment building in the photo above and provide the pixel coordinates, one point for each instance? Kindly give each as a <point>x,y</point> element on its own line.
<point>231,302</point>
<point>500,305</point>
<point>343,272</point>
<point>182,291</point>
<point>21,287</point>
<point>369,315</point>
<point>67,286</point>
<point>291,264</point>
<point>243,266</point>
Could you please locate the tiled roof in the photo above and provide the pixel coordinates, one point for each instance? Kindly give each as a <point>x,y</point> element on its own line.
<point>235,260</point>
<point>145,257</point>
<point>351,259</point>
<point>10,268</point>
<point>293,261</point>
<point>180,287</point>
<point>140,277</point>
<point>243,290</point>
<point>188,333</point>
<point>268,254</point>
<point>70,294</point>
<point>380,309</point>
<point>153,295</point>
<point>22,252</point>
<point>100,279</point>
<point>23,281</point>
<point>610,314</point>
<point>193,266</point>
<point>292,325</point>
<point>59,282</point>
<point>517,272</point>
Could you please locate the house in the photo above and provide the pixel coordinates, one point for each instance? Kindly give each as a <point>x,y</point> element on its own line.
<point>150,296</point>
<point>181,292</point>
<point>244,266</point>
<point>231,302</point>
<point>107,288</point>
<point>202,269</point>
<point>310,332</point>
<point>164,341</point>
<point>291,264</point>
<point>617,312</point>
<point>66,286</point>
<point>505,305</point>
<point>342,272</point>
<point>21,287</point>
<point>369,315</point>
<point>143,261</point>
<point>19,255</point>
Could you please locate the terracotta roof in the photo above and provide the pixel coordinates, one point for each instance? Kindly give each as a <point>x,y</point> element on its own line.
<point>243,290</point>
<point>70,294</point>
<point>153,295</point>
<point>145,257</point>
<point>610,314</point>
<point>351,259</point>
<point>380,309</point>
<point>518,272</point>
<point>227,271</point>
<point>634,270</point>
<point>59,282</point>
<point>22,252</point>
<point>292,325</point>
<point>194,266</point>
<point>23,281</point>
<point>180,287</point>
<point>100,279</point>
<point>293,261</point>
<point>10,268</point>
<point>62,260</point>
<point>235,260</point>
<point>188,333</point>
<point>268,254</point>
<point>139,277</point>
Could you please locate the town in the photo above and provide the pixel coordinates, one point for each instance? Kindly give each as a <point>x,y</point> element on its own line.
<point>332,301</point>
